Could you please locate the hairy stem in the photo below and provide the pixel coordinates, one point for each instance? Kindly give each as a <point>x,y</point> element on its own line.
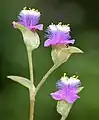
<point>46,76</point>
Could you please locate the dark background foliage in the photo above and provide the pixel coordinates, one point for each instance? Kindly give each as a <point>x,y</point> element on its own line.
<point>83,17</point>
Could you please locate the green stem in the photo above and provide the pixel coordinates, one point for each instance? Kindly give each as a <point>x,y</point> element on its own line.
<point>30,65</point>
<point>63,118</point>
<point>32,103</point>
<point>45,77</point>
<point>31,91</point>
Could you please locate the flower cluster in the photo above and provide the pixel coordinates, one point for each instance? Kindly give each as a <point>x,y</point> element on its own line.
<point>58,34</point>
<point>67,89</point>
<point>30,18</point>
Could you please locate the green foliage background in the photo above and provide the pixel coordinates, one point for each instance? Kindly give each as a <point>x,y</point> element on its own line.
<point>83,17</point>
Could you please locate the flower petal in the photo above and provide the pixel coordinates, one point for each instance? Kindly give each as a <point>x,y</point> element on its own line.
<point>47,43</point>
<point>57,95</point>
<point>71,98</point>
<point>38,27</point>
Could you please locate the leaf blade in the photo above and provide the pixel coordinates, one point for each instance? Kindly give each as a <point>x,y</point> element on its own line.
<point>23,81</point>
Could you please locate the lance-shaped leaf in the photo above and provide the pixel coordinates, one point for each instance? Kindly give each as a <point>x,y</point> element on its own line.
<point>23,81</point>
<point>63,108</point>
<point>31,39</point>
<point>60,54</point>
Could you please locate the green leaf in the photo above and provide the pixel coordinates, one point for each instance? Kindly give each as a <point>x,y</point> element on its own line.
<point>63,108</point>
<point>31,38</point>
<point>23,81</point>
<point>60,54</point>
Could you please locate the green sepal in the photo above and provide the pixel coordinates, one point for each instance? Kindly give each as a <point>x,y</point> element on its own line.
<point>80,89</point>
<point>31,38</point>
<point>60,54</point>
<point>63,108</point>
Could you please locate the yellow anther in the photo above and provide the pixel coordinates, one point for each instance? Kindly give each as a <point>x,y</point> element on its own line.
<point>60,23</point>
<point>24,8</point>
<point>33,9</point>
<point>77,77</point>
<point>74,76</point>
<point>68,24</point>
<point>64,74</point>
<point>30,9</point>
<point>36,10</point>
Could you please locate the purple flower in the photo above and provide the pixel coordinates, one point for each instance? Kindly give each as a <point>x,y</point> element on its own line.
<point>58,35</point>
<point>30,18</point>
<point>67,89</point>
<point>67,94</point>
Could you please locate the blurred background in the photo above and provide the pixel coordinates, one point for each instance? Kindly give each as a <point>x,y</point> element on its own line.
<point>83,17</point>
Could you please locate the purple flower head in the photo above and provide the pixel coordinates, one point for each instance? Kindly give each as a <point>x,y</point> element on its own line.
<point>67,89</point>
<point>67,94</point>
<point>30,18</point>
<point>58,35</point>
